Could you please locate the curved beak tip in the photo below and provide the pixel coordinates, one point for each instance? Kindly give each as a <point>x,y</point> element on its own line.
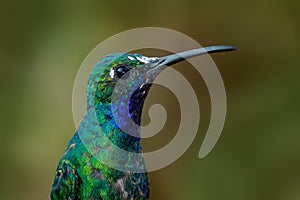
<point>178,57</point>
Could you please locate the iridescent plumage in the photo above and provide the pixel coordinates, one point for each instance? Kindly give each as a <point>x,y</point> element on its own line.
<point>80,175</point>
<point>85,170</point>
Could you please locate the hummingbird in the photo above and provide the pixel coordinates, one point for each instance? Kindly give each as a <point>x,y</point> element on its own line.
<point>83,175</point>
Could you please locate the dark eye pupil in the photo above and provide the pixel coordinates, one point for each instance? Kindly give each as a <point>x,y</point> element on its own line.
<point>121,70</point>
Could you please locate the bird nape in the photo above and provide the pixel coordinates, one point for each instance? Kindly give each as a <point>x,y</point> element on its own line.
<point>81,174</point>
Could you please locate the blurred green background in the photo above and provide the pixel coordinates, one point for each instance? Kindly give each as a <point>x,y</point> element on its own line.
<point>258,154</point>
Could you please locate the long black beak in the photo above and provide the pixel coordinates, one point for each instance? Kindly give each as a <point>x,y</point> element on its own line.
<point>178,57</point>
<point>159,64</point>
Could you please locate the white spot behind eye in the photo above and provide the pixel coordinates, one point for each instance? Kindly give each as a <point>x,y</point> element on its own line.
<point>112,73</point>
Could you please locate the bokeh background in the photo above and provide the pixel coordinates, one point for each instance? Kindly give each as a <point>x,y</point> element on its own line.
<point>258,155</point>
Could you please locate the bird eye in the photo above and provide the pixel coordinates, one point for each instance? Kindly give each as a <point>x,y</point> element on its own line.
<point>121,70</point>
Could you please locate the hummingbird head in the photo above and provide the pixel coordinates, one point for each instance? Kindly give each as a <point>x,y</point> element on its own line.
<point>111,69</point>
<point>127,70</point>
<point>135,72</point>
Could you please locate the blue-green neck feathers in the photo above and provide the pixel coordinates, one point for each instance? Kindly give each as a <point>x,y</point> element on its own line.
<point>101,83</point>
<point>83,172</point>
